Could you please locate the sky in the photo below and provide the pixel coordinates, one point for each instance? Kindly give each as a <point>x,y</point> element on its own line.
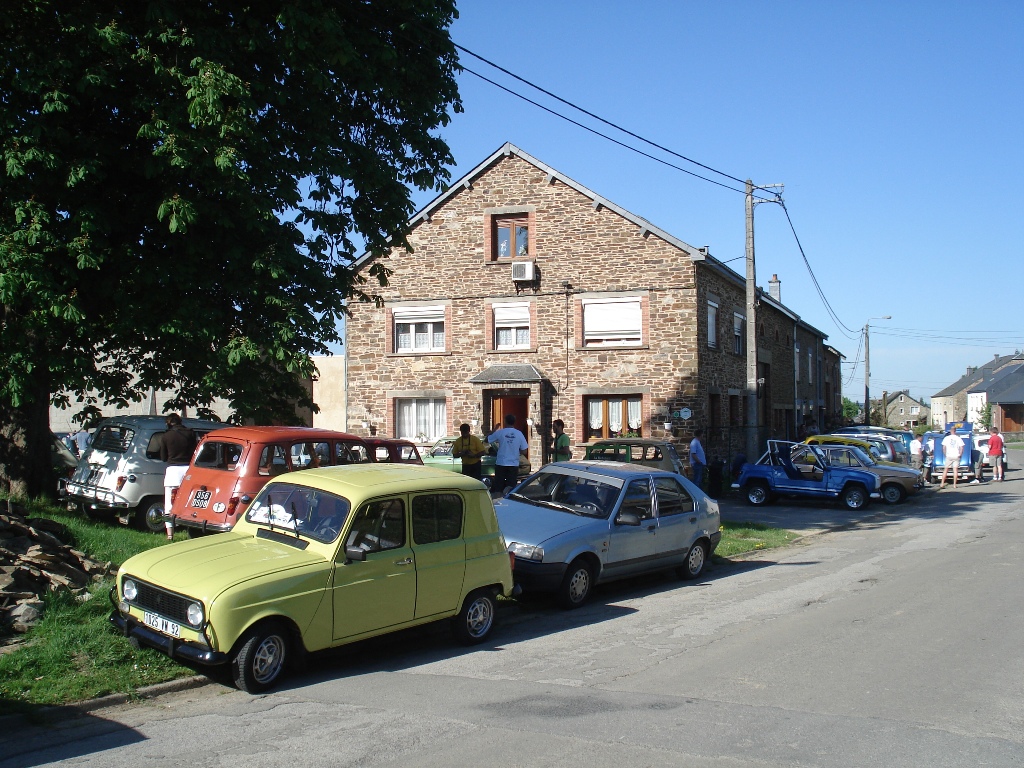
<point>896,128</point>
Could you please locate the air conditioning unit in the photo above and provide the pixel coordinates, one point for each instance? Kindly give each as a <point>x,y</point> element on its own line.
<point>524,271</point>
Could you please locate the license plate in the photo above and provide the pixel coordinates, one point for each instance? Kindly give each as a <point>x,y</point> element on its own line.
<point>160,624</point>
<point>201,500</point>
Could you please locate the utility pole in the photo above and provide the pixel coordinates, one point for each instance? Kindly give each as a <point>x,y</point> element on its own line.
<point>867,378</point>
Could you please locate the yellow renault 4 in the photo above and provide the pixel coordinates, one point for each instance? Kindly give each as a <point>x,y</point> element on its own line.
<point>321,558</point>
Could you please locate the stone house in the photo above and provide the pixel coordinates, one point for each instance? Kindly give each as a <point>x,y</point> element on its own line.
<point>528,294</point>
<point>951,403</point>
<point>903,412</point>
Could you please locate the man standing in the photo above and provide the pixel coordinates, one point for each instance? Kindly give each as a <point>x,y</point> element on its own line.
<point>953,449</point>
<point>562,450</point>
<point>469,448</point>
<point>82,440</point>
<point>916,452</point>
<point>698,461</point>
<point>996,452</point>
<point>511,444</point>
<point>176,448</point>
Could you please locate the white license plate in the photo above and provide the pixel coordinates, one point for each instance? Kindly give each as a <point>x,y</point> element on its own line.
<point>160,624</point>
<point>201,500</point>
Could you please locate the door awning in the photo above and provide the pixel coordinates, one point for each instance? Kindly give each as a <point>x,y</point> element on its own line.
<point>508,374</point>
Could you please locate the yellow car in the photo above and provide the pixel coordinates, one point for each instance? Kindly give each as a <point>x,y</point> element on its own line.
<point>322,558</point>
<point>880,449</point>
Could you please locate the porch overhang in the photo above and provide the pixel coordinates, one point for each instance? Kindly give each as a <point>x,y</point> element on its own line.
<point>508,374</point>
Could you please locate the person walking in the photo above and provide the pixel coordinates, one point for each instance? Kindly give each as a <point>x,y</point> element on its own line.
<point>562,450</point>
<point>917,452</point>
<point>511,444</point>
<point>952,449</point>
<point>176,448</point>
<point>698,461</point>
<point>469,448</point>
<point>996,454</point>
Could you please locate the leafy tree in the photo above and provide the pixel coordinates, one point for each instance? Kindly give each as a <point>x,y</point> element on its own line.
<point>850,409</point>
<point>185,185</point>
<point>985,417</point>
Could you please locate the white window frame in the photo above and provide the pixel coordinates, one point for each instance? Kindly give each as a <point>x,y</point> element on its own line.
<point>432,317</point>
<point>737,332</point>
<point>915,410</point>
<point>796,360</point>
<point>625,330</point>
<point>514,316</point>
<point>421,419</point>
<point>712,324</point>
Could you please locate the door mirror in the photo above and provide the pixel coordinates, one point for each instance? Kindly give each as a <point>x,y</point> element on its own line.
<point>355,553</point>
<point>627,518</point>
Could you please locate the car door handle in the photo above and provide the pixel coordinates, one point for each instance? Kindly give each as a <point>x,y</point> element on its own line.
<point>407,561</point>
<point>693,519</point>
<point>652,528</point>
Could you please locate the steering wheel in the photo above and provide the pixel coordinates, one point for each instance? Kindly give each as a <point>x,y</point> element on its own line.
<point>327,527</point>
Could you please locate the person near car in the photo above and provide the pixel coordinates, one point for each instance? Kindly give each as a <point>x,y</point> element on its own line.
<point>917,452</point>
<point>953,449</point>
<point>511,444</point>
<point>469,448</point>
<point>562,450</point>
<point>698,461</point>
<point>82,440</point>
<point>176,448</point>
<point>996,452</point>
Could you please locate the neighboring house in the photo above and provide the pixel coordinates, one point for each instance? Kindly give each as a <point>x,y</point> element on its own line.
<point>527,293</point>
<point>904,412</point>
<point>950,404</point>
<point>1008,404</point>
<point>987,390</point>
<point>330,393</point>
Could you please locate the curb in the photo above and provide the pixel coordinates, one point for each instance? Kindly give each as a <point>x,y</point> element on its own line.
<point>68,711</point>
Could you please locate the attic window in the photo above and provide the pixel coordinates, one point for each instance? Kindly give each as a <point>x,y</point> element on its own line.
<point>511,237</point>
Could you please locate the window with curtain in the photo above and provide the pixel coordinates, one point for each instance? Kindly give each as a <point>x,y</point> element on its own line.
<point>419,329</point>
<point>421,420</point>
<point>511,325</point>
<point>613,322</point>
<point>613,416</point>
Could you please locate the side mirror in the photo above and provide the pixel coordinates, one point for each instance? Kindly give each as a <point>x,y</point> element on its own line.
<point>355,553</point>
<point>627,518</point>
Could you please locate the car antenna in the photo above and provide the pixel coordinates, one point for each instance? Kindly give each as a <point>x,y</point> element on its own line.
<point>270,513</point>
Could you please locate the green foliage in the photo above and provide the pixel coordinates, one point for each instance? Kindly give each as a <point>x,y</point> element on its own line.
<point>185,186</point>
<point>985,417</point>
<point>850,408</point>
<point>738,538</point>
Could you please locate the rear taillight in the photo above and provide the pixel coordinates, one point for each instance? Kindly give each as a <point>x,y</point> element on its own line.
<point>512,560</point>
<point>232,505</point>
<point>121,480</point>
<point>174,495</point>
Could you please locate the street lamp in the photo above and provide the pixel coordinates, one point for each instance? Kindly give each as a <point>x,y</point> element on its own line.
<point>867,370</point>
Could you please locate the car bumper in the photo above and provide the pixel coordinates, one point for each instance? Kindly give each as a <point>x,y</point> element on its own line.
<point>95,498</point>
<point>203,525</point>
<point>538,577</point>
<point>716,538</point>
<point>176,649</point>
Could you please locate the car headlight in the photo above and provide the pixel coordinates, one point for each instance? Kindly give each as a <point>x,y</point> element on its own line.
<point>194,614</point>
<point>526,551</point>
<point>129,590</point>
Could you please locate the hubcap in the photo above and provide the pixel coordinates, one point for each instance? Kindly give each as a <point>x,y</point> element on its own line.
<point>479,617</point>
<point>155,517</point>
<point>856,499</point>
<point>268,658</point>
<point>696,559</point>
<point>892,495</point>
<point>579,585</point>
<point>757,494</point>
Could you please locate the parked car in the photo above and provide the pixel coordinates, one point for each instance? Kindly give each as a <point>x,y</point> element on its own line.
<point>121,472</point>
<point>776,474</point>
<point>64,463</point>
<point>321,558</point>
<point>898,481</point>
<point>660,454</point>
<point>440,455</point>
<point>573,525</point>
<point>882,447</point>
<point>231,465</point>
<point>860,429</point>
<point>393,450</point>
<point>981,446</point>
<point>969,464</point>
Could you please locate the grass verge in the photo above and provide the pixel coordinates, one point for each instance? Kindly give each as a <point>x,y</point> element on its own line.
<point>738,538</point>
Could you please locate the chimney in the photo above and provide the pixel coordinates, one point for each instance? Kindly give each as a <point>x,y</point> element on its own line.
<point>775,288</point>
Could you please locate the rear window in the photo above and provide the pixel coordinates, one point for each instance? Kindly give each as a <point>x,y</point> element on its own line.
<point>409,453</point>
<point>112,438</point>
<point>215,454</point>
<point>381,453</point>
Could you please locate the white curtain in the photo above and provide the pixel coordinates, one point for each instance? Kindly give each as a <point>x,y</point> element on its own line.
<point>633,413</point>
<point>594,414</point>
<point>615,415</point>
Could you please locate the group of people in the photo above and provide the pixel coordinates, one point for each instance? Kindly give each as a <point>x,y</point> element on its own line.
<point>953,450</point>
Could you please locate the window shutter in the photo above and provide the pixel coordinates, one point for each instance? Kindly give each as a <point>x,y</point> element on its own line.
<point>612,319</point>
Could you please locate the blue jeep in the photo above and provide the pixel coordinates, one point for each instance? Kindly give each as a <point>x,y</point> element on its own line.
<point>803,471</point>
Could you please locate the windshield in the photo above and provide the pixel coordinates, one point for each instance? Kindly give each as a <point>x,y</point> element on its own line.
<point>578,494</point>
<point>308,512</point>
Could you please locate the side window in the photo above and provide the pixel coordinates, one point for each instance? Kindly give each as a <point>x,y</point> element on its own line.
<point>636,453</point>
<point>638,499</point>
<point>436,517</point>
<point>153,448</point>
<point>350,453</point>
<point>672,497</point>
<point>409,453</point>
<point>311,455</point>
<point>380,453</point>
<point>273,461</point>
<point>378,525</point>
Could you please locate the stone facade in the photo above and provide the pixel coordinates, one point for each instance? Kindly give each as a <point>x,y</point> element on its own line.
<point>903,412</point>
<point>592,259</point>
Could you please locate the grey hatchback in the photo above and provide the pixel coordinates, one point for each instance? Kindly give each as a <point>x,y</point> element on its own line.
<point>573,525</point>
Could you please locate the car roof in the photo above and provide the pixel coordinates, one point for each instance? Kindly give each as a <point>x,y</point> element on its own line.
<point>617,469</point>
<point>158,422</point>
<point>263,434</point>
<point>389,478</point>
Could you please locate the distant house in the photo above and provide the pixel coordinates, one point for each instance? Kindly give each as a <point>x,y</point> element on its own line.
<point>904,412</point>
<point>1000,390</point>
<point>951,403</point>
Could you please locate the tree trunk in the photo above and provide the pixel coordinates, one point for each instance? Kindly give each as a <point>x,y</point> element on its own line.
<point>26,450</point>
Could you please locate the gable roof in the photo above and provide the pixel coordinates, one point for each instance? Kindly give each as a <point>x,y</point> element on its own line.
<point>976,376</point>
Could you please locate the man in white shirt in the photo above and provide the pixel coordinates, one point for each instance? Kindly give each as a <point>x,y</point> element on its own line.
<point>511,443</point>
<point>916,452</point>
<point>952,449</point>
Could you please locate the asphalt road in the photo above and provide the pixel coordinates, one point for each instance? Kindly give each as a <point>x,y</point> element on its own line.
<point>894,641</point>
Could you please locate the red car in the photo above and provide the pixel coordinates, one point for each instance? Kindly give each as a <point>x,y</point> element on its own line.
<point>231,465</point>
<point>393,450</point>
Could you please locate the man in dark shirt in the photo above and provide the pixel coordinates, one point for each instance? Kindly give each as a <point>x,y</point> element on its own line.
<point>176,448</point>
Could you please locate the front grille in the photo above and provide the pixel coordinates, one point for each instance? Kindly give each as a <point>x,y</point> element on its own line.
<point>167,604</point>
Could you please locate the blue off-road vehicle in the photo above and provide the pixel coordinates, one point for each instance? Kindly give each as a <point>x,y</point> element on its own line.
<point>803,471</point>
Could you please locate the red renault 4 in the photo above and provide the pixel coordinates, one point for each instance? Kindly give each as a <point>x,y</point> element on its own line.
<point>231,465</point>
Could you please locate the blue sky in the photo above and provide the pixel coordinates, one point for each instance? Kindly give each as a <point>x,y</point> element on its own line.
<point>896,128</point>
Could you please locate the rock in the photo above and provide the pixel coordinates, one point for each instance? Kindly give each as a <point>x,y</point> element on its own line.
<point>25,615</point>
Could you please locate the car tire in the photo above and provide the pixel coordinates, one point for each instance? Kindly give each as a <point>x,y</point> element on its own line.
<point>261,657</point>
<point>474,622</point>
<point>696,559</point>
<point>576,585</point>
<point>855,497</point>
<point>893,493</point>
<point>757,494</point>
<point>149,515</point>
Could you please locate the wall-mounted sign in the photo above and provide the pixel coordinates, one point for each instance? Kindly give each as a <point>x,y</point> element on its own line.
<point>683,413</point>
